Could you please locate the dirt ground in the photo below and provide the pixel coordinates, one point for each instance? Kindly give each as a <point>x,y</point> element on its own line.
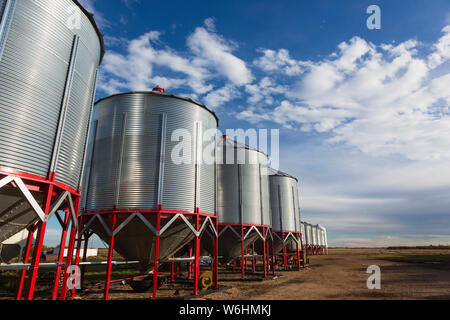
<point>342,275</point>
<point>339,275</point>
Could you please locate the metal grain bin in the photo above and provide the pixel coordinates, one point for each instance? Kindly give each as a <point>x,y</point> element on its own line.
<point>324,239</point>
<point>132,166</point>
<point>49,54</point>
<point>302,229</point>
<point>314,235</point>
<point>242,194</point>
<point>285,206</point>
<point>308,234</point>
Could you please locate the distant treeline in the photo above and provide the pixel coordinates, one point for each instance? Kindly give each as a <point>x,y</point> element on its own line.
<point>430,247</point>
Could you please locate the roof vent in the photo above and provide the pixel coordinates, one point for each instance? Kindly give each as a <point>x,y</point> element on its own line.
<point>158,89</point>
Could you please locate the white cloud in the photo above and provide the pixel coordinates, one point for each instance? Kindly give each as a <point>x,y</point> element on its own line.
<point>148,62</point>
<point>219,97</point>
<point>279,61</point>
<point>213,51</point>
<point>263,91</point>
<point>441,50</point>
<point>382,100</point>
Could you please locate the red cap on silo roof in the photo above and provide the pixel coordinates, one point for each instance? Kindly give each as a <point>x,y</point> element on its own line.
<point>158,89</point>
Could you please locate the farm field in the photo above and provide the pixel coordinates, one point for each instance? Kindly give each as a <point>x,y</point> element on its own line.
<point>405,274</point>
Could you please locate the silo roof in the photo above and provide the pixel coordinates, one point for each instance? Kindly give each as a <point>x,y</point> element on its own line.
<point>163,94</point>
<point>232,143</point>
<point>281,174</point>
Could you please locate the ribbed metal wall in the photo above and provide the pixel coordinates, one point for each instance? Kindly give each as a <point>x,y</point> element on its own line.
<point>285,203</point>
<point>308,234</point>
<point>130,135</point>
<point>302,229</point>
<point>242,187</point>
<point>314,235</point>
<point>46,68</point>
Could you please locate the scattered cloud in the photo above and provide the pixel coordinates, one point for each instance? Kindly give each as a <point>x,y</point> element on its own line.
<point>382,99</point>
<point>148,62</point>
<point>390,241</point>
<point>279,61</point>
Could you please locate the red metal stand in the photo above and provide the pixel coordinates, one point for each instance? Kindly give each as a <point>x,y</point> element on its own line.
<point>198,221</point>
<point>62,246</point>
<point>56,196</point>
<point>23,273</point>
<point>290,257</point>
<point>242,231</point>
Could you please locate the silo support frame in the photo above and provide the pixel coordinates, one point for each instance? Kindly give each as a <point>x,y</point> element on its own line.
<point>55,197</point>
<point>242,232</point>
<point>290,257</point>
<point>200,221</point>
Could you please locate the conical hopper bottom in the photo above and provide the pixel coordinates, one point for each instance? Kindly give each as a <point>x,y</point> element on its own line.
<point>16,213</point>
<point>278,245</point>
<point>136,242</point>
<point>229,245</point>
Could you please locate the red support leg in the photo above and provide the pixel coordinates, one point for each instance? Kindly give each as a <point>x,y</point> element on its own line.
<point>86,244</point>
<point>264,258</point>
<point>197,254</point>
<point>242,254</point>
<point>32,275</point>
<point>110,256</point>
<point>190,263</point>
<point>69,258</point>
<point>284,252</point>
<point>172,273</point>
<point>25,260</point>
<point>216,259</point>
<point>273,258</point>
<point>253,258</point>
<point>77,254</point>
<point>155,269</point>
<point>62,246</point>
<point>298,253</point>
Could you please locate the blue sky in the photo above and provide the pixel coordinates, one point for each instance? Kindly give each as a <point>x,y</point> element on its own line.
<point>363,114</point>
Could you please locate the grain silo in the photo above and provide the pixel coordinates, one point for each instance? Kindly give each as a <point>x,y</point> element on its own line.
<point>324,242</point>
<point>150,188</point>
<point>243,205</point>
<point>314,239</point>
<point>309,239</point>
<point>286,218</point>
<point>49,55</point>
<point>304,240</point>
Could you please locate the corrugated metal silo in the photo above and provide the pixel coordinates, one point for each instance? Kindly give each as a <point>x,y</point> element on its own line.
<point>286,219</point>
<point>243,205</point>
<point>132,167</point>
<point>49,55</point>
<point>47,83</point>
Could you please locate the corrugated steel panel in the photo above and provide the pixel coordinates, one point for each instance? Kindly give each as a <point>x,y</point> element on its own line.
<point>284,203</point>
<point>133,178</point>
<point>36,50</point>
<point>33,74</point>
<point>242,186</point>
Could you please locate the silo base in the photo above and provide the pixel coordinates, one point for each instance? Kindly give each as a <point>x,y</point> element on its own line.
<point>152,237</point>
<point>241,246</point>
<point>288,248</point>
